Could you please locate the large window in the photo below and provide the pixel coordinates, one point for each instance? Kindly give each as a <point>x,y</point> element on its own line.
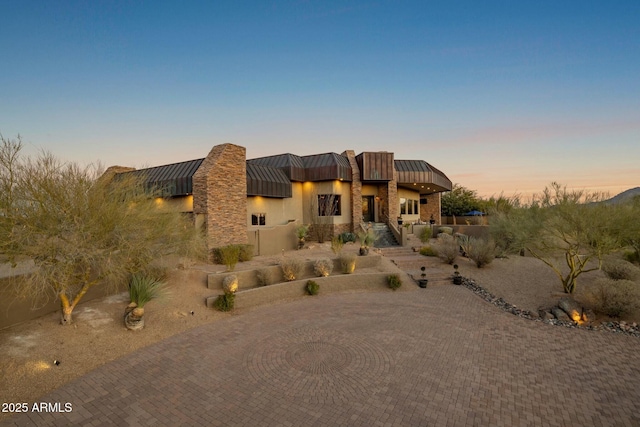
<point>329,205</point>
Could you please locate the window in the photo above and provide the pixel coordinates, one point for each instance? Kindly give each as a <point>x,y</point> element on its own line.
<point>258,219</point>
<point>329,205</point>
<point>408,206</point>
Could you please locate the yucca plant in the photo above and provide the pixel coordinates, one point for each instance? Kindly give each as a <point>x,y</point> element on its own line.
<point>143,289</point>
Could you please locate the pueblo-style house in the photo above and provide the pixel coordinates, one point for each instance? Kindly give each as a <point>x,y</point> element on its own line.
<point>261,201</point>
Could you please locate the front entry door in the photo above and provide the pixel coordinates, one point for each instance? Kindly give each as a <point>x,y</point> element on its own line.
<point>368,210</point>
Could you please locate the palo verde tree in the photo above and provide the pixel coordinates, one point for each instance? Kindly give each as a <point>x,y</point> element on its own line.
<point>569,230</point>
<point>80,227</point>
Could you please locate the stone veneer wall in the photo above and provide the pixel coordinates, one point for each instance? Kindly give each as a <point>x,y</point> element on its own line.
<point>431,208</point>
<point>356,192</point>
<point>389,195</point>
<point>220,194</point>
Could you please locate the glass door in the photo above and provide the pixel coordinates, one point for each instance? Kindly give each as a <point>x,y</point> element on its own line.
<point>368,211</point>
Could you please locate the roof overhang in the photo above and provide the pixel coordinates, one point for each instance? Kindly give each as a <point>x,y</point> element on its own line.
<point>420,176</point>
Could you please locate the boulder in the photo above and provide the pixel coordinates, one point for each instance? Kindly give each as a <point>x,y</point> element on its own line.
<point>571,308</point>
<point>559,314</point>
<point>545,314</point>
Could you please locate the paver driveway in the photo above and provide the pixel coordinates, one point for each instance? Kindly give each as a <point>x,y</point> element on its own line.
<point>434,357</point>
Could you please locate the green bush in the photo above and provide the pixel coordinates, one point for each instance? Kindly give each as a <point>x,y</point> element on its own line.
<point>614,298</point>
<point>481,251</point>
<point>264,277</point>
<point>246,252</point>
<point>447,248</point>
<point>428,251</point>
<point>620,270</point>
<point>292,268</point>
<point>225,302</point>
<point>228,255</point>
<point>425,234</point>
<point>312,287</point>
<point>347,237</point>
<point>394,281</point>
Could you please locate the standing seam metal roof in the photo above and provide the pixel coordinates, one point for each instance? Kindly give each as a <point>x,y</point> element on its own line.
<point>173,180</point>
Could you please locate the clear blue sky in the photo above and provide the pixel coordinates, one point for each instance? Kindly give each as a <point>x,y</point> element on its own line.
<point>500,95</point>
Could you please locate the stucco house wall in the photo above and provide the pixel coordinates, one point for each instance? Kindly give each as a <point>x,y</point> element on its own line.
<point>277,211</point>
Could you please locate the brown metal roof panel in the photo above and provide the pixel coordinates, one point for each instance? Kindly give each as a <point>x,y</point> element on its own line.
<point>441,179</point>
<point>291,164</point>
<point>412,166</point>
<point>175,179</point>
<point>267,182</point>
<point>326,167</point>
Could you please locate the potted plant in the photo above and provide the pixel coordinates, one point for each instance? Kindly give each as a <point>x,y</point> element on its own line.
<point>423,278</point>
<point>366,240</point>
<point>301,234</point>
<point>399,220</point>
<point>457,278</point>
<point>142,289</point>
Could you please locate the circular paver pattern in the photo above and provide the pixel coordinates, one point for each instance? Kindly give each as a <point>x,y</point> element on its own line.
<point>317,362</point>
<point>439,356</point>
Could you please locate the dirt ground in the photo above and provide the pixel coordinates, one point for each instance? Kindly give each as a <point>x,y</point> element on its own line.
<point>29,351</point>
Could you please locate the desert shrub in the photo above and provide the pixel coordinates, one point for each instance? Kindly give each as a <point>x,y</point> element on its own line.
<point>348,263</point>
<point>291,268</point>
<point>230,284</point>
<point>228,255</point>
<point>620,270</point>
<point>425,234</point>
<point>615,298</point>
<point>394,281</point>
<point>225,302</point>
<point>336,245</point>
<point>323,267</point>
<point>481,251</point>
<point>158,272</point>
<point>312,287</point>
<point>347,237</point>
<point>245,252</point>
<point>445,230</point>
<point>447,248</point>
<point>428,251</point>
<point>632,256</point>
<point>264,277</point>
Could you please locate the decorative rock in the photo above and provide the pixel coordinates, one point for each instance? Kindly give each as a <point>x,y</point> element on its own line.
<point>571,308</point>
<point>588,315</point>
<point>548,318</point>
<point>559,314</point>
